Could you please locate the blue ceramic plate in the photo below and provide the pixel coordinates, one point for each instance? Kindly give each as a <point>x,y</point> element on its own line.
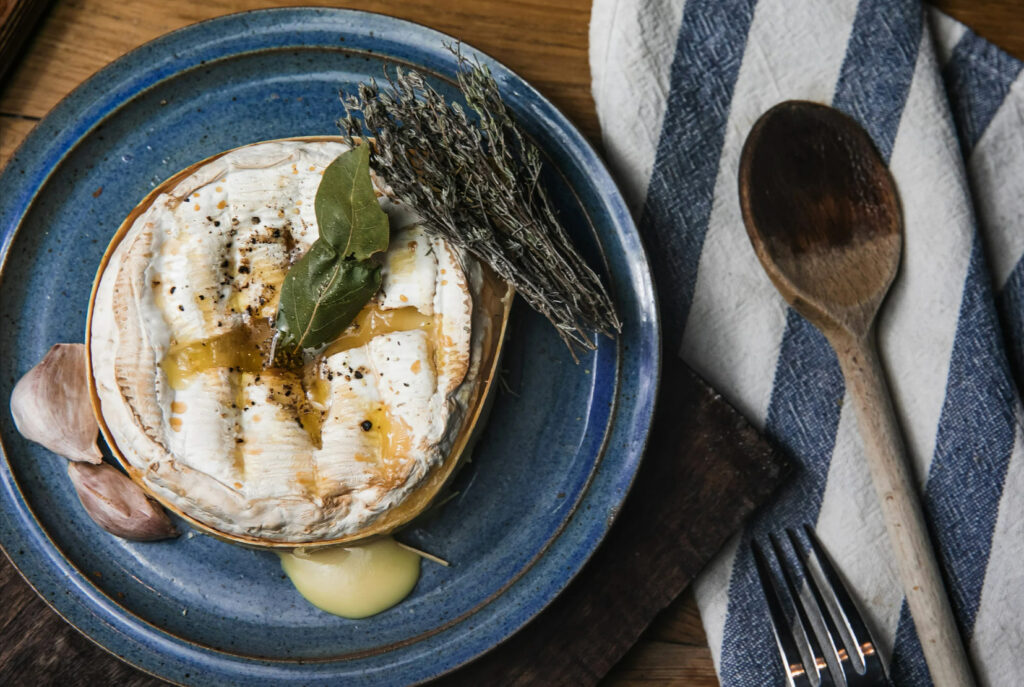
<point>552,467</point>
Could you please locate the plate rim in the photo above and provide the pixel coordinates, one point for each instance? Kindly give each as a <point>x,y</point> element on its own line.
<point>570,139</point>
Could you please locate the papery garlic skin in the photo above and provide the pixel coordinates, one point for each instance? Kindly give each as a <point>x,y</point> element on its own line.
<point>51,405</point>
<point>119,505</point>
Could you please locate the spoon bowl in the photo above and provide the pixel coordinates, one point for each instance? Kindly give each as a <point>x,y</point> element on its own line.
<point>822,213</point>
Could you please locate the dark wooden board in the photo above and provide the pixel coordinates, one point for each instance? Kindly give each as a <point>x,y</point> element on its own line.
<point>705,470</point>
<point>39,648</point>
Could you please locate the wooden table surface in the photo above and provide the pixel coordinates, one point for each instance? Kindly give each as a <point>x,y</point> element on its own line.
<point>544,41</point>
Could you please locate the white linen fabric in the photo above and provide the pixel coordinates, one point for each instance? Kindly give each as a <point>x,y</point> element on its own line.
<point>678,85</point>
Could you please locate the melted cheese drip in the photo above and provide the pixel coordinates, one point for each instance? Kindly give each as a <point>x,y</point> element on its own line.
<point>312,421</point>
<point>354,582</point>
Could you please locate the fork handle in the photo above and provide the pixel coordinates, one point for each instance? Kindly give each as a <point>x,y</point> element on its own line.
<point>901,508</point>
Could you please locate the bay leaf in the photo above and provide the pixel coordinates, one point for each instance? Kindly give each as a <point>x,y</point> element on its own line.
<point>321,295</point>
<point>347,212</point>
<point>325,290</point>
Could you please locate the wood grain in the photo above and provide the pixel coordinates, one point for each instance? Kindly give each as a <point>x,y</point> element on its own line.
<point>37,647</point>
<point>1000,21</point>
<point>543,41</point>
<point>12,131</point>
<point>679,623</point>
<point>663,664</point>
<point>898,495</point>
<point>17,18</point>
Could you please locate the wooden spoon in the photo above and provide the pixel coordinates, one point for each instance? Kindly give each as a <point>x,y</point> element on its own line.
<point>822,212</point>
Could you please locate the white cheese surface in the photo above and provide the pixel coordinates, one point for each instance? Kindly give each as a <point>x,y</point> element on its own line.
<point>300,455</point>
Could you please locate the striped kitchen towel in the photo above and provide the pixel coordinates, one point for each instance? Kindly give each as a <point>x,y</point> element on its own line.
<point>678,85</point>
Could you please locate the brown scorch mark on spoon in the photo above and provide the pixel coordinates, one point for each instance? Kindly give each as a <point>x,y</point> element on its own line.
<point>822,212</point>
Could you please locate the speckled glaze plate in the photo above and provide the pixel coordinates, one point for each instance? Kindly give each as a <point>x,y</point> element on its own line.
<point>548,476</point>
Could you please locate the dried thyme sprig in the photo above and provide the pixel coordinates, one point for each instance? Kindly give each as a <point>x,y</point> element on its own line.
<point>475,182</point>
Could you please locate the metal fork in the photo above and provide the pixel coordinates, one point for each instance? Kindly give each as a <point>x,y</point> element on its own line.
<point>827,616</point>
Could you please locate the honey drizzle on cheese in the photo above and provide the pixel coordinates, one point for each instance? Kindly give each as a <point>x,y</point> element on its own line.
<point>194,263</point>
<point>372,321</point>
<point>240,348</point>
<point>243,351</point>
<point>393,437</point>
<point>233,349</point>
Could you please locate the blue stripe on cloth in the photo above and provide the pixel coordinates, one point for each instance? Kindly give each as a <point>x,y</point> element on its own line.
<point>978,76</point>
<point>879,66</point>
<point>709,49</point>
<point>803,414</point>
<point>972,452</point>
<point>1010,303</point>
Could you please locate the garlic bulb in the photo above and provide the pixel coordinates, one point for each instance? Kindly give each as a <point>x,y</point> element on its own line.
<point>50,405</point>
<point>118,504</point>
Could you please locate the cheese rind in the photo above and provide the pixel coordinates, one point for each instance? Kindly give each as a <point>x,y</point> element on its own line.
<point>283,455</point>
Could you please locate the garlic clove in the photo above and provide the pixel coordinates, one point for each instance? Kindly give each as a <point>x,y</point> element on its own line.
<point>118,505</point>
<point>51,405</point>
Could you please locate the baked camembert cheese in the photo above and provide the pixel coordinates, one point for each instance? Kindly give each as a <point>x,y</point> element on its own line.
<point>181,330</point>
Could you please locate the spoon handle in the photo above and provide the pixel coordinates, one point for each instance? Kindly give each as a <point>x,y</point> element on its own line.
<point>901,508</point>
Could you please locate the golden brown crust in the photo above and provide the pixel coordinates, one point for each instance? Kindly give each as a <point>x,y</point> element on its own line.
<point>142,392</point>
<point>134,368</point>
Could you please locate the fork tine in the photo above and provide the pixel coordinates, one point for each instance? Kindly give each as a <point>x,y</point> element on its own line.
<point>863,640</point>
<point>837,644</point>
<point>792,662</point>
<point>803,613</point>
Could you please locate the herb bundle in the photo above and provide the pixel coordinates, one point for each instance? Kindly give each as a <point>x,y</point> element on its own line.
<point>476,183</point>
